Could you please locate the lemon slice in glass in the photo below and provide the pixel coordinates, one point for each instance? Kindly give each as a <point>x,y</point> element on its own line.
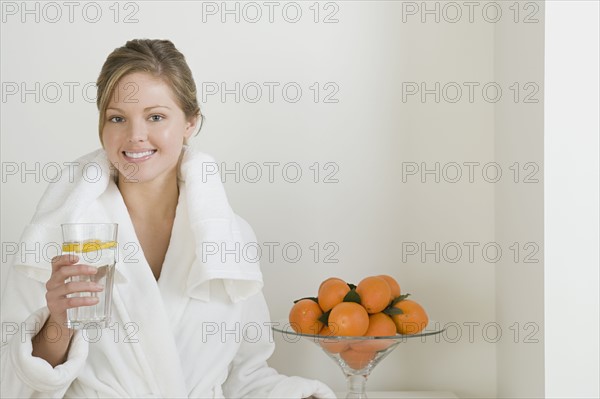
<point>87,246</point>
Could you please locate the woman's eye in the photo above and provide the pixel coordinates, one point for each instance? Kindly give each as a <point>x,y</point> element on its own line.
<point>116,119</point>
<point>156,118</point>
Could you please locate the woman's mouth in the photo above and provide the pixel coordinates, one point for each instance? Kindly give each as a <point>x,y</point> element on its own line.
<point>136,156</point>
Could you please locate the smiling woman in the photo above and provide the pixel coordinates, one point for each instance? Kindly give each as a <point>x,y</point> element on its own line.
<point>140,132</point>
<point>150,137</point>
<point>183,324</point>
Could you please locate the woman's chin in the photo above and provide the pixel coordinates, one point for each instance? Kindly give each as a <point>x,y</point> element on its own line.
<point>146,176</point>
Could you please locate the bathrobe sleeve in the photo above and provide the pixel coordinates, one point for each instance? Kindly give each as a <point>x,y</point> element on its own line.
<point>251,377</point>
<point>249,374</point>
<point>24,313</point>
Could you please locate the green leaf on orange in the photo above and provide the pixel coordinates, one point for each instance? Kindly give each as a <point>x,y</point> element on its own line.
<point>390,311</point>
<point>352,286</point>
<point>312,298</point>
<point>324,318</point>
<point>398,299</point>
<point>352,296</point>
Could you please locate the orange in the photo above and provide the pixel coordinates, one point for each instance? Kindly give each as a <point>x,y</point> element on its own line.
<point>327,279</point>
<point>380,325</point>
<point>348,319</point>
<point>357,360</point>
<point>394,286</point>
<point>413,318</point>
<point>375,294</point>
<point>304,317</point>
<point>331,292</point>
<point>332,345</point>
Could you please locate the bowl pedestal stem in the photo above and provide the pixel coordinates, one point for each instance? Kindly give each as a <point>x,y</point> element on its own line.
<point>356,386</point>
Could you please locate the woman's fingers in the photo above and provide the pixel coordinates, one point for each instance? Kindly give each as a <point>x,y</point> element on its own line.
<point>63,260</point>
<point>64,272</point>
<point>58,294</point>
<point>79,286</point>
<point>61,305</point>
<point>73,287</point>
<point>76,270</point>
<point>58,299</point>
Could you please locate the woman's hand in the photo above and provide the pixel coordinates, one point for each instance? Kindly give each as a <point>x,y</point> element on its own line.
<point>64,267</point>
<point>52,342</point>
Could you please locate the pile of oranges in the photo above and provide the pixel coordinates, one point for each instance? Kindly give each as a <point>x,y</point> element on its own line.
<point>373,308</point>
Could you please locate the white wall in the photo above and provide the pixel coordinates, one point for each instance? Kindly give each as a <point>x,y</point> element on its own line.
<point>368,135</point>
<point>519,203</point>
<point>571,208</point>
<point>371,212</point>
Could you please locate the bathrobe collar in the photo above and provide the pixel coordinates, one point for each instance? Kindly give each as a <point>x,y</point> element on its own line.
<point>138,301</point>
<point>74,198</point>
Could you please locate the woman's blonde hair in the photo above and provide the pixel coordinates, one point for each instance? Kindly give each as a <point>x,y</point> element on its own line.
<point>159,58</point>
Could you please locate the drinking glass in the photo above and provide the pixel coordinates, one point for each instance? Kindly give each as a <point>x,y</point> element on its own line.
<point>96,245</point>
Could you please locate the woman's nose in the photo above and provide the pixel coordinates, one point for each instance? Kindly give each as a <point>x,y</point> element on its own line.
<point>137,132</point>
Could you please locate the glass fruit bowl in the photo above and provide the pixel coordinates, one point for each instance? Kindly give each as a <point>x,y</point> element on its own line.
<point>356,356</point>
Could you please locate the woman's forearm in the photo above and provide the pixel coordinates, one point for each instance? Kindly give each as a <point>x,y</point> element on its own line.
<point>52,342</point>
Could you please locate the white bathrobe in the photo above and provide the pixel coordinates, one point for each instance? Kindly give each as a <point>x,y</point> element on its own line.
<point>202,330</point>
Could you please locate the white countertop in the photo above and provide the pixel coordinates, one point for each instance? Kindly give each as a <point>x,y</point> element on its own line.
<point>406,395</point>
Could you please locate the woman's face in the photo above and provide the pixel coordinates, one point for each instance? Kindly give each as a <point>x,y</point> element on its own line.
<point>144,129</point>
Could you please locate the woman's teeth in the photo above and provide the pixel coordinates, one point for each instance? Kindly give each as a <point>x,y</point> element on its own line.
<point>139,154</point>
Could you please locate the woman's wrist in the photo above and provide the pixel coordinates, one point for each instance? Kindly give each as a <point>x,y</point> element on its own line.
<point>52,342</point>
<point>57,330</point>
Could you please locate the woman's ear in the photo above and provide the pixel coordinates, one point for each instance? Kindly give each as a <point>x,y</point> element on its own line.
<point>191,126</point>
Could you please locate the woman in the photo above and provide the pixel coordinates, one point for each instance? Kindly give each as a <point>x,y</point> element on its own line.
<point>186,324</point>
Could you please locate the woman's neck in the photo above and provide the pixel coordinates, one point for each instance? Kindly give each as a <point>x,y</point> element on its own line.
<point>155,200</point>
